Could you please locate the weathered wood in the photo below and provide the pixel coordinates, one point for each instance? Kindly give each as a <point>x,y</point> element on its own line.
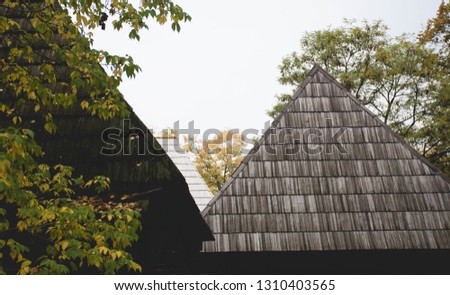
<point>171,222</point>
<point>197,186</point>
<point>380,194</point>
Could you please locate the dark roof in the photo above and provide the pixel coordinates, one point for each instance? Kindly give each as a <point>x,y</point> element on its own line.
<point>380,194</point>
<point>78,142</point>
<point>197,186</point>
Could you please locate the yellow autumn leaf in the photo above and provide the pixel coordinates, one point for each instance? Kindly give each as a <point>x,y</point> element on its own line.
<point>161,19</point>
<point>99,239</point>
<point>48,127</point>
<point>17,119</point>
<point>22,225</point>
<point>103,250</point>
<point>48,215</point>
<point>5,165</point>
<point>129,218</point>
<point>64,244</point>
<point>32,95</point>
<point>84,104</point>
<point>136,266</point>
<point>34,22</point>
<point>26,263</point>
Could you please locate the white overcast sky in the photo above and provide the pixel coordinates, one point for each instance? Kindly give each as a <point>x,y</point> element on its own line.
<point>221,69</point>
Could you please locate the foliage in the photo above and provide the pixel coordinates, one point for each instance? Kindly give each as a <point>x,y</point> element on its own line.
<point>437,31</point>
<point>169,133</point>
<point>346,52</point>
<point>217,158</point>
<point>75,231</point>
<point>400,79</point>
<point>50,220</point>
<point>435,134</point>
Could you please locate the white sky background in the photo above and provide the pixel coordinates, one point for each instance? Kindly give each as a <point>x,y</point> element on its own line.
<point>221,69</point>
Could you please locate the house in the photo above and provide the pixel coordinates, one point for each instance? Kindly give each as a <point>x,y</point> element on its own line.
<point>330,189</point>
<point>180,157</point>
<point>172,227</point>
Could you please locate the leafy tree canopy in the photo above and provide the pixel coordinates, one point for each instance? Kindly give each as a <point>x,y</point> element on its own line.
<point>49,222</point>
<point>217,158</point>
<point>435,134</point>
<point>437,31</point>
<point>399,78</point>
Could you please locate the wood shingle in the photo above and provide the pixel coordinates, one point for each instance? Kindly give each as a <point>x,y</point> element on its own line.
<point>197,186</point>
<point>140,172</point>
<point>329,175</point>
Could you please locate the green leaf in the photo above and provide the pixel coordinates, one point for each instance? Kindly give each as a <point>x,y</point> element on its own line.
<point>41,27</point>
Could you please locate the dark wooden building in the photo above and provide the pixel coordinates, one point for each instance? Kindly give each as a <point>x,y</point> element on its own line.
<point>173,228</point>
<point>197,186</point>
<point>330,189</point>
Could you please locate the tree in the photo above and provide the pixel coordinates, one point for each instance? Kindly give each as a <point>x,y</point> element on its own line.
<point>437,32</point>
<point>217,158</point>
<point>346,52</point>
<point>47,202</point>
<point>397,77</point>
<point>435,134</point>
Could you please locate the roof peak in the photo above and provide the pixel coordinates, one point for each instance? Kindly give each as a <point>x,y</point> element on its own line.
<point>285,197</point>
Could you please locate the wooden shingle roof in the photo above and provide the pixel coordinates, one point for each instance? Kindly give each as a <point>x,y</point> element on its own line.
<point>137,166</point>
<point>197,186</point>
<point>298,189</point>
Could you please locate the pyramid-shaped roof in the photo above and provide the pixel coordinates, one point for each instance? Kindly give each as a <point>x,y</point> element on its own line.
<point>197,186</point>
<point>329,175</point>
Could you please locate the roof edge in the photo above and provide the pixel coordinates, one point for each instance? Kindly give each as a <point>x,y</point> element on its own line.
<point>249,156</point>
